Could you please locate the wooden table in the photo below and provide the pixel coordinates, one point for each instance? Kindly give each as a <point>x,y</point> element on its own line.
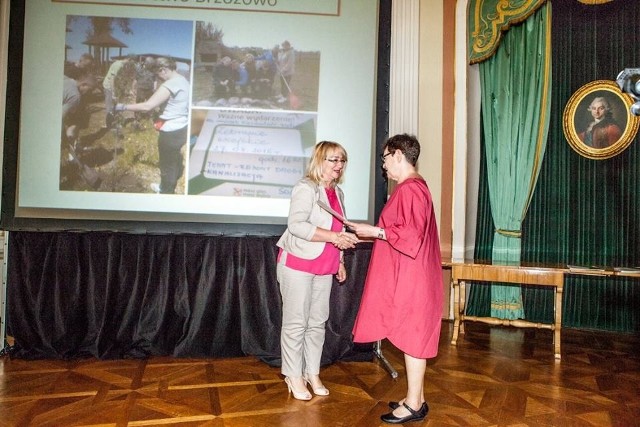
<point>517,275</point>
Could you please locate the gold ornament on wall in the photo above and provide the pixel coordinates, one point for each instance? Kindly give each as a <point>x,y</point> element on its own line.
<point>594,1</point>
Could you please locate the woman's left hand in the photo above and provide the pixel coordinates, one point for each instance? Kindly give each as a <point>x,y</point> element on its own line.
<point>341,275</point>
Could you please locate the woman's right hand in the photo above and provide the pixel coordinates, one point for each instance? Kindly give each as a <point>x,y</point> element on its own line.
<point>362,230</point>
<point>344,240</point>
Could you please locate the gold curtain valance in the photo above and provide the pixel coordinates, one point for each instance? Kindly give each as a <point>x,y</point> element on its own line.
<point>488,19</point>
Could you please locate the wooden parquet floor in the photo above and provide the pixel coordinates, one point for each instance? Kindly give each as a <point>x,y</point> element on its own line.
<point>495,376</point>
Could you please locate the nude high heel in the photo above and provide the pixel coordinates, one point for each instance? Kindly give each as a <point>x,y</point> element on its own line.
<point>305,395</point>
<point>320,391</point>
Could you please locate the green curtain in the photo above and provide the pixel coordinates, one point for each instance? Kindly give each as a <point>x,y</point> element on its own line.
<point>515,86</point>
<point>583,211</point>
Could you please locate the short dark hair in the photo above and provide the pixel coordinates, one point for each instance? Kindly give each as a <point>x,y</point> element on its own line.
<point>169,63</point>
<point>88,80</point>
<point>407,144</point>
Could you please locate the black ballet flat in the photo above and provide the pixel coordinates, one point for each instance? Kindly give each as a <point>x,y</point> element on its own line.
<point>393,405</point>
<point>418,415</point>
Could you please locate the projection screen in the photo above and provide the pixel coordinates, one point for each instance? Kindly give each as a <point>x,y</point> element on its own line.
<point>255,85</point>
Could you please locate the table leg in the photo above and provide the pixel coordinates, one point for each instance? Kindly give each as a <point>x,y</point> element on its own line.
<point>456,310</point>
<point>463,303</point>
<point>557,321</point>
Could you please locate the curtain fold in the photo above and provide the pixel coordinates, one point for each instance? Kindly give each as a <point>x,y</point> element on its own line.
<point>117,295</point>
<point>515,106</point>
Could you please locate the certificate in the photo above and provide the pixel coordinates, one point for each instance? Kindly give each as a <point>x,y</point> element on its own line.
<point>327,208</point>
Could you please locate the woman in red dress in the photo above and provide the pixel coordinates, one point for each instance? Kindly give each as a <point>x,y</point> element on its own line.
<point>402,298</point>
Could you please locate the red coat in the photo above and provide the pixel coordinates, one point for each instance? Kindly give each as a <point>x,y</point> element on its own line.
<point>602,134</point>
<point>402,297</point>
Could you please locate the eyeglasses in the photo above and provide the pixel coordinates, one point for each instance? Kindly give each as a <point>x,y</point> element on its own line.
<point>384,156</point>
<point>336,161</point>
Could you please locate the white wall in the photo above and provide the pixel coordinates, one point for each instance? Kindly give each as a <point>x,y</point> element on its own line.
<point>431,92</point>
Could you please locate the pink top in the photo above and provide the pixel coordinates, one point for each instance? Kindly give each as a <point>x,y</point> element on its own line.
<point>329,260</point>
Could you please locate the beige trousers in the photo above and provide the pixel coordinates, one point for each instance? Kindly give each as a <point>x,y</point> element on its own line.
<point>305,310</point>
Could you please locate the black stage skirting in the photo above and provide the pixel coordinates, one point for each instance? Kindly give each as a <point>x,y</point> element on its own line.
<point>116,295</point>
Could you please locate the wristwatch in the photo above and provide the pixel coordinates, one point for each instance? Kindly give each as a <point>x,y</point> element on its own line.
<point>381,233</point>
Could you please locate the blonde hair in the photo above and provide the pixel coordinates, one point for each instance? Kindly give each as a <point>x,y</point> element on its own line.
<point>320,152</point>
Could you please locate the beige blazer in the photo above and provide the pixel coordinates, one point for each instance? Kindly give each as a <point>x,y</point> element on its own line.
<point>305,216</point>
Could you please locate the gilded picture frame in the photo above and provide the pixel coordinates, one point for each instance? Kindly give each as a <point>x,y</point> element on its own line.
<point>597,122</point>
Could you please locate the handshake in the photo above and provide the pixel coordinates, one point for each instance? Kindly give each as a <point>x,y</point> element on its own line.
<point>344,240</point>
<point>356,233</point>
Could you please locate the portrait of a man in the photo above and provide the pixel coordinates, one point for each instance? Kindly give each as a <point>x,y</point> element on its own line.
<point>602,129</point>
<point>597,121</point>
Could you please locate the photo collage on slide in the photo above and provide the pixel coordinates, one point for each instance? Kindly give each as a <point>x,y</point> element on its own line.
<point>185,107</point>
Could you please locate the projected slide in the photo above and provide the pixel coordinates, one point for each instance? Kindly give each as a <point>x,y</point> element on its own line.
<point>191,110</point>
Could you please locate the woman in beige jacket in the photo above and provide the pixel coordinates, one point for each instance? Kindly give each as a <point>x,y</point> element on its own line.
<point>310,255</point>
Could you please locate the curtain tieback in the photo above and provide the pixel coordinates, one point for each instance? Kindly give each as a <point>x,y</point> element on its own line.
<point>509,233</point>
